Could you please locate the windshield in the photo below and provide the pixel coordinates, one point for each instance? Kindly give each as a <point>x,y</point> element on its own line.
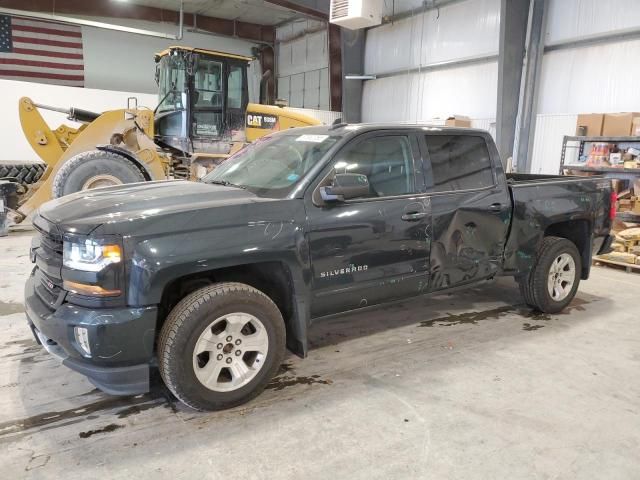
<point>272,166</point>
<point>171,83</point>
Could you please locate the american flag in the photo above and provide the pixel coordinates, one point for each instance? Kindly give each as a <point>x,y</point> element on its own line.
<point>39,51</point>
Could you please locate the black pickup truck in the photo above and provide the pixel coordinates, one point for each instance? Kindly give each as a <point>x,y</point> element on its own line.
<point>211,281</point>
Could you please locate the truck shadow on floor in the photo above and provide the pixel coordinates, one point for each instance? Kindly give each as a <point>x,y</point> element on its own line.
<point>435,311</point>
<point>104,414</point>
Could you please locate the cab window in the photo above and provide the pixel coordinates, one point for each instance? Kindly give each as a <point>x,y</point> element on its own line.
<point>234,87</point>
<point>208,84</point>
<point>385,160</point>
<point>459,162</point>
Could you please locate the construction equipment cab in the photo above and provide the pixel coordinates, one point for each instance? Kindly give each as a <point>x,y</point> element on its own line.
<point>203,115</point>
<point>203,96</point>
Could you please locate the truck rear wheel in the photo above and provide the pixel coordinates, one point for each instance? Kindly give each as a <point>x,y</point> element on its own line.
<point>221,345</point>
<point>554,279</point>
<point>94,169</point>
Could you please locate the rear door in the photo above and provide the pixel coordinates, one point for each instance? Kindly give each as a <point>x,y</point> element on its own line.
<point>470,207</point>
<point>371,249</point>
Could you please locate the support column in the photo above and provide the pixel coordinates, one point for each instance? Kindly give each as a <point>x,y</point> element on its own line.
<point>335,67</point>
<point>352,63</point>
<point>514,17</point>
<point>525,129</point>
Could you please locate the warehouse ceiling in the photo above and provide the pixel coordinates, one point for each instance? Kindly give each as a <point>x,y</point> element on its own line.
<point>253,11</point>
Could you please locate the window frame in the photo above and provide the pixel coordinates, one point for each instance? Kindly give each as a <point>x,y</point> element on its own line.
<point>428,170</point>
<point>417,163</point>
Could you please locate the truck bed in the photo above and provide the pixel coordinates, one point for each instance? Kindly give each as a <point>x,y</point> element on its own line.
<point>576,207</point>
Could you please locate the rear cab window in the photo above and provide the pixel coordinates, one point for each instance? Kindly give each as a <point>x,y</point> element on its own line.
<point>458,162</point>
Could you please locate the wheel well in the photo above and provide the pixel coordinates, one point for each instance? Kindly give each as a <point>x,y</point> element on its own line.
<point>129,156</point>
<point>271,278</point>
<point>578,232</point>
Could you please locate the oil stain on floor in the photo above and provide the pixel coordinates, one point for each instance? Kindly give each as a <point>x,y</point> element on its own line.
<point>287,378</point>
<point>45,419</point>
<point>109,428</point>
<point>496,313</point>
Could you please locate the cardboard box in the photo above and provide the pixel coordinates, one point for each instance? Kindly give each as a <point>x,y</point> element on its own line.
<point>620,257</point>
<point>459,121</point>
<point>635,127</point>
<point>590,124</point>
<point>618,124</point>
<point>615,158</point>
<point>618,184</point>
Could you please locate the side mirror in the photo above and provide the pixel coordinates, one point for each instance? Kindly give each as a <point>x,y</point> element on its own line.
<point>346,186</point>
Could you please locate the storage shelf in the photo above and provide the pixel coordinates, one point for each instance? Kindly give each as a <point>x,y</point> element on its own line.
<point>628,216</point>
<point>601,169</point>
<point>602,139</point>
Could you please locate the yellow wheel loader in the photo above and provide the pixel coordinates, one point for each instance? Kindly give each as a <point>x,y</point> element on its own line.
<point>203,116</point>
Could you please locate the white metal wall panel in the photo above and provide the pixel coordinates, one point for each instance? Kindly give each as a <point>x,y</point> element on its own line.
<point>312,89</point>
<point>460,30</point>
<point>468,90</point>
<point>296,92</point>
<point>302,63</point>
<point>488,124</point>
<point>572,19</point>
<point>317,55</point>
<point>598,78</point>
<point>325,101</point>
<point>547,143</point>
<point>284,89</point>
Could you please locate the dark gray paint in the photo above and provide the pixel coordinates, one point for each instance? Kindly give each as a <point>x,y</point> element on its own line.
<point>174,229</point>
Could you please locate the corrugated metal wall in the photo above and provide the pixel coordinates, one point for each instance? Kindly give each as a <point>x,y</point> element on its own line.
<point>303,64</point>
<point>601,77</point>
<point>547,142</point>
<point>596,78</point>
<point>453,32</point>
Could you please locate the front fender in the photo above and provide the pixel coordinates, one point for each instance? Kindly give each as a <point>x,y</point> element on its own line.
<point>158,261</point>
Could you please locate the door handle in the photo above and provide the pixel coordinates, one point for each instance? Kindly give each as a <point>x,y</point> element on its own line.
<point>495,207</point>
<point>413,216</point>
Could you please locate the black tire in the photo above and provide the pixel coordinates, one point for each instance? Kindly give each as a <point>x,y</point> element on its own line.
<point>76,171</point>
<point>189,319</point>
<point>25,173</point>
<point>534,287</point>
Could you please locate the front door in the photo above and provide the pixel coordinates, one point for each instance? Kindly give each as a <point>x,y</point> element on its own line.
<point>372,249</point>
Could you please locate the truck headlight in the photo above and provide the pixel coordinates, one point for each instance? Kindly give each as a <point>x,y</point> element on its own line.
<point>90,255</point>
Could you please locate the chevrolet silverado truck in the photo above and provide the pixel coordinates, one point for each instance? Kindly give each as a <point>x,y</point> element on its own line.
<point>212,281</point>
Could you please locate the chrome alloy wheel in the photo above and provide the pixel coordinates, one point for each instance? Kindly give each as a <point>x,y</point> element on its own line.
<point>562,276</point>
<point>230,352</point>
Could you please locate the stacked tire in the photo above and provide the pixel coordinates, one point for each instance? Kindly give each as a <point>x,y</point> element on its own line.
<point>24,173</point>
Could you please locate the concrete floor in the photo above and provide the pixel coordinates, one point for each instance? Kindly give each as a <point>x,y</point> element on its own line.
<point>471,385</point>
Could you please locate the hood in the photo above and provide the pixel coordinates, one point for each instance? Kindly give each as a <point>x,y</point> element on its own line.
<point>130,204</point>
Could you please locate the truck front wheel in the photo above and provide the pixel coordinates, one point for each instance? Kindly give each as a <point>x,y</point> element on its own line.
<point>221,345</point>
<point>554,279</point>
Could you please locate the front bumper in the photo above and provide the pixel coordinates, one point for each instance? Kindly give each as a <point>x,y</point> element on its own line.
<point>121,341</point>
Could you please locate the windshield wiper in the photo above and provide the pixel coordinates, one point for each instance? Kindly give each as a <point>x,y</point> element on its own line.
<point>226,183</point>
